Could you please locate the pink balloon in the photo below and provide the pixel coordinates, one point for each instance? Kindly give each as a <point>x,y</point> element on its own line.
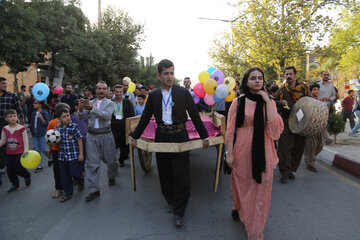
<point>58,90</point>
<point>199,90</point>
<point>209,100</point>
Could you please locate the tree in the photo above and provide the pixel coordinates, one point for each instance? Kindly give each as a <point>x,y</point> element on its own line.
<point>126,38</point>
<point>21,41</point>
<point>147,72</point>
<point>345,41</point>
<point>63,24</point>
<point>272,35</point>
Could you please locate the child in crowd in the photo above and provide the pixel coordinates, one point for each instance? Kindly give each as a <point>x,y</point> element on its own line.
<point>82,123</point>
<point>141,105</point>
<point>54,151</point>
<point>15,137</point>
<point>313,144</point>
<point>38,124</point>
<point>70,154</point>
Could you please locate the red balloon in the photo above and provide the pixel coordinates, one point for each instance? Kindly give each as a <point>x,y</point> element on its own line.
<point>199,90</point>
<point>58,90</point>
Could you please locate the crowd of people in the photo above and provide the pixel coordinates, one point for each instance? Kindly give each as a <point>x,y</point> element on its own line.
<point>92,128</point>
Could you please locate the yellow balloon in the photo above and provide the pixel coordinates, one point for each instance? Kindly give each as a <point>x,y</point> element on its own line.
<point>231,95</point>
<point>210,86</point>
<point>230,82</point>
<point>30,159</point>
<point>127,79</point>
<point>132,87</point>
<point>203,76</point>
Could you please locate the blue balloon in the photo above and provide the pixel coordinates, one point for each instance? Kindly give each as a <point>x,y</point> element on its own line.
<point>217,100</point>
<point>40,91</point>
<point>210,70</point>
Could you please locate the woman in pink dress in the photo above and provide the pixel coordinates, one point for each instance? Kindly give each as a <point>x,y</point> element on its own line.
<point>254,123</point>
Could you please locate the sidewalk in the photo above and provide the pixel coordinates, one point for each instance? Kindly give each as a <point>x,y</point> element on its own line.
<point>345,154</point>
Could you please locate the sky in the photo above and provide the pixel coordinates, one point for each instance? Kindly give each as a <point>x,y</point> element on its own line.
<point>173,30</point>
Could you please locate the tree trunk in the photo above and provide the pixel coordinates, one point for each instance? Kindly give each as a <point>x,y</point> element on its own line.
<point>16,90</point>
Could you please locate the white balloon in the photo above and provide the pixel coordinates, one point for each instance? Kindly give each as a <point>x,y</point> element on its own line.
<point>221,91</point>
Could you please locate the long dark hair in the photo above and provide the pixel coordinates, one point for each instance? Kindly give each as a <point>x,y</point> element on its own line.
<point>244,87</point>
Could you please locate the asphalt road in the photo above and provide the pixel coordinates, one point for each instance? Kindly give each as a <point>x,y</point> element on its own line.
<point>322,205</point>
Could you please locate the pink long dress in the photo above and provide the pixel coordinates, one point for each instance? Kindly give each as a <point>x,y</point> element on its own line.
<point>250,199</point>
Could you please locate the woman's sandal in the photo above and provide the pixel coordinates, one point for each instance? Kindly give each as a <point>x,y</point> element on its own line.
<point>56,194</point>
<point>65,198</point>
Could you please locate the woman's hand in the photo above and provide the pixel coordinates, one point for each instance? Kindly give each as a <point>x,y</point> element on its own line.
<point>229,159</point>
<point>264,95</point>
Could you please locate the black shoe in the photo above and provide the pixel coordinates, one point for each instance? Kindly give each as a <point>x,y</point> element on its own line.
<point>13,188</point>
<point>284,179</point>
<point>92,196</point>
<point>38,169</point>
<point>27,181</point>
<point>111,182</point>
<point>50,163</point>
<point>235,215</point>
<point>178,221</point>
<point>291,176</point>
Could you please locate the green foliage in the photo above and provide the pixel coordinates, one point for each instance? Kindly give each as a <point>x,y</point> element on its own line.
<point>272,34</point>
<point>336,123</point>
<point>21,40</point>
<point>147,72</point>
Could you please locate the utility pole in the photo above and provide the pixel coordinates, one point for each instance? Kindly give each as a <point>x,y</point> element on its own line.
<point>99,13</point>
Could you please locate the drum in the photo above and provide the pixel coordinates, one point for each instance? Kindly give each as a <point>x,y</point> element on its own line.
<point>308,117</point>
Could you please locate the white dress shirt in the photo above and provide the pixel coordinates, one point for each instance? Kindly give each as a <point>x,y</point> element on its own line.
<point>166,107</point>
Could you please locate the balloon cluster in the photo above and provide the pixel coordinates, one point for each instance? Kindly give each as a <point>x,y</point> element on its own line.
<point>214,87</point>
<point>132,85</point>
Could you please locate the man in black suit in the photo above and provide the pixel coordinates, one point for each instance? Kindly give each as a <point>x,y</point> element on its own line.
<point>169,105</point>
<point>122,110</point>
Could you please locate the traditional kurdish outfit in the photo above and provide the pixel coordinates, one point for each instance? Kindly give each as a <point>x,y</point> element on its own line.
<point>255,158</point>
<point>291,146</point>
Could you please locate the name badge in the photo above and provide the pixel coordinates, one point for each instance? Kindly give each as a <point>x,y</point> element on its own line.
<point>118,117</point>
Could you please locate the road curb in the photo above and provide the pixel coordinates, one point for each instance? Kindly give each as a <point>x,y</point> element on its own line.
<point>341,161</point>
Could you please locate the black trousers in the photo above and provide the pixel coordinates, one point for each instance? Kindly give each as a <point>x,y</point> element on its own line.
<point>118,130</point>
<point>348,115</point>
<point>56,169</point>
<point>15,169</point>
<point>174,172</point>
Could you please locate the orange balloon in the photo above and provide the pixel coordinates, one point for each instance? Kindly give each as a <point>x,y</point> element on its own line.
<point>210,86</point>
<point>230,97</point>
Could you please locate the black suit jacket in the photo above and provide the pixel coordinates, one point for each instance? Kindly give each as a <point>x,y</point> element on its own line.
<point>182,100</point>
<point>128,109</point>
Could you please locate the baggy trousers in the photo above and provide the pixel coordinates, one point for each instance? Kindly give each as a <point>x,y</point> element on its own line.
<point>313,146</point>
<point>174,172</point>
<point>290,150</point>
<point>99,148</point>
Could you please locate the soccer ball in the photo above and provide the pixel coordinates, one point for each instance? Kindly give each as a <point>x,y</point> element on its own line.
<point>53,136</point>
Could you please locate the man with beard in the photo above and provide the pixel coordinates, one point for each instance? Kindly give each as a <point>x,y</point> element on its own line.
<point>100,143</point>
<point>187,84</point>
<point>69,98</point>
<point>291,146</point>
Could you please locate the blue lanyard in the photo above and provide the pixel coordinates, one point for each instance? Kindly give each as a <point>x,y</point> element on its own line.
<point>167,102</point>
<point>118,106</point>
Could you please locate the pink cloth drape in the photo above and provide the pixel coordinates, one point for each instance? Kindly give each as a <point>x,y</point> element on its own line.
<point>211,128</point>
<point>250,199</point>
